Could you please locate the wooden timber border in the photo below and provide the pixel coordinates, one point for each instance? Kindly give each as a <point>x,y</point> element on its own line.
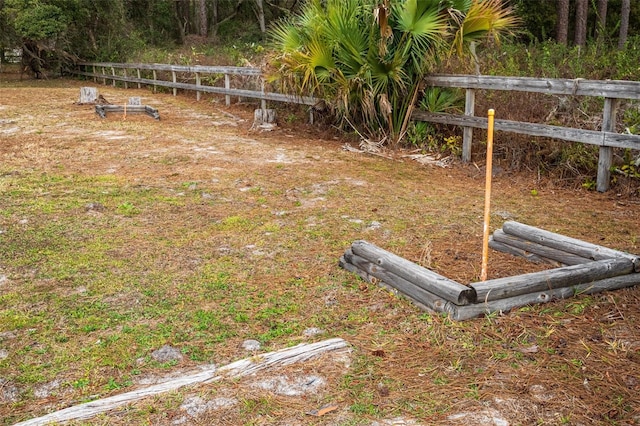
<point>611,90</point>
<point>102,110</point>
<point>584,268</point>
<point>607,138</point>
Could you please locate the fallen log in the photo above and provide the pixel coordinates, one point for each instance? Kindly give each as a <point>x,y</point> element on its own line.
<point>568,276</point>
<point>551,253</point>
<point>244,367</point>
<point>462,313</point>
<point>371,272</point>
<point>567,244</point>
<point>428,280</point>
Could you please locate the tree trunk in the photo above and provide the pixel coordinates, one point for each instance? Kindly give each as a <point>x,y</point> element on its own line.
<point>562,25</point>
<point>181,20</point>
<point>602,19</point>
<point>624,23</point>
<point>214,24</point>
<point>260,14</point>
<point>202,15</point>
<point>582,7</point>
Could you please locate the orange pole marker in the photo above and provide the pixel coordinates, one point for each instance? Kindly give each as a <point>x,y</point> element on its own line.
<point>487,197</point>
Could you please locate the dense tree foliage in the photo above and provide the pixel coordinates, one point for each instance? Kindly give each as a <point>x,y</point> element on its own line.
<point>55,32</point>
<point>544,20</point>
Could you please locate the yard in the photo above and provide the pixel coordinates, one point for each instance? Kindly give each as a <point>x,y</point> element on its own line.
<point>119,236</point>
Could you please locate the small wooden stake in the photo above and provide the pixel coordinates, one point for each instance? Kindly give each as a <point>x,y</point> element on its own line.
<point>487,197</point>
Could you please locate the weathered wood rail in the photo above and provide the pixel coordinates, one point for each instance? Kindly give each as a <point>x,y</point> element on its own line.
<point>607,138</point>
<point>584,268</point>
<point>151,75</point>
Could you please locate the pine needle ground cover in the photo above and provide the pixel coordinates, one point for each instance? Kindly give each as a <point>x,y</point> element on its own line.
<point>121,235</point>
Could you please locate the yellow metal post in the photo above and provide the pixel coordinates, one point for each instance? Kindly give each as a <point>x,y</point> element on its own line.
<point>487,197</point>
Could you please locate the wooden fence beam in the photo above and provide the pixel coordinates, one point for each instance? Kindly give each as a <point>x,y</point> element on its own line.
<point>227,86</point>
<point>592,137</point>
<point>605,156</point>
<point>197,85</point>
<point>467,135</point>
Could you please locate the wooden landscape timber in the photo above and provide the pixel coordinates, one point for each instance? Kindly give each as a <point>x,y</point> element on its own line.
<point>568,276</point>
<point>547,253</point>
<point>591,269</point>
<point>566,244</point>
<point>210,374</point>
<point>419,276</point>
<point>102,110</point>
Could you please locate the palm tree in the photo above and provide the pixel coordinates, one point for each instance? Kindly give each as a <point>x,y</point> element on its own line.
<point>366,58</point>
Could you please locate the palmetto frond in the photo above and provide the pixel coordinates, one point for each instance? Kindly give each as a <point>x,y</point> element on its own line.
<point>367,57</point>
<point>481,19</point>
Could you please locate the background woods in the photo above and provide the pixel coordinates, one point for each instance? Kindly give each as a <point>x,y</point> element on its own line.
<point>117,29</point>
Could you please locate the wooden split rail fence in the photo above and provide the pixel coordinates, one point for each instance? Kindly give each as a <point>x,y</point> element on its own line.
<point>585,268</point>
<point>154,75</point>
<point>173,77</point>
<point>611,90</point>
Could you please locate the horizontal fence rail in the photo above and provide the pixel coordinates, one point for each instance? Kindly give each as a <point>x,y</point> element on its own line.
<point>118,72</point>
<point>607,138</point>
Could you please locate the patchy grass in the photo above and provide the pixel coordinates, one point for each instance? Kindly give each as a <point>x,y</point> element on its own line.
<point>121,236</point>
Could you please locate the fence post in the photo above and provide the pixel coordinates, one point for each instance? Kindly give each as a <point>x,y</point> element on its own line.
<point>113,73</point>
<point>467,135</point>
<point>126,84</point>
<point>95,79</point>
<point>155,77</point>
<point>197,84</point>
<point>605,157</point>
<point>227,85</point>
<point>173,76</point>
<point>104,79</point>
<point>263,101</point>
<point>138,74</point>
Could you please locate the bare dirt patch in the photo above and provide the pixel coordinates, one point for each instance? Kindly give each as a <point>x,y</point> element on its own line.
<point>198,232</point>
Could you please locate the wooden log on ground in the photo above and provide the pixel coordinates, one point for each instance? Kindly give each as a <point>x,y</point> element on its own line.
<point>428,280</point>
<point>566,244</point>
<point>462,313</point>
<point>373,273</point>
<point>568,276</point>
<point>531,257</point>
<point>102,110</point>
<point>543,251</point>
<point>244,367</point>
